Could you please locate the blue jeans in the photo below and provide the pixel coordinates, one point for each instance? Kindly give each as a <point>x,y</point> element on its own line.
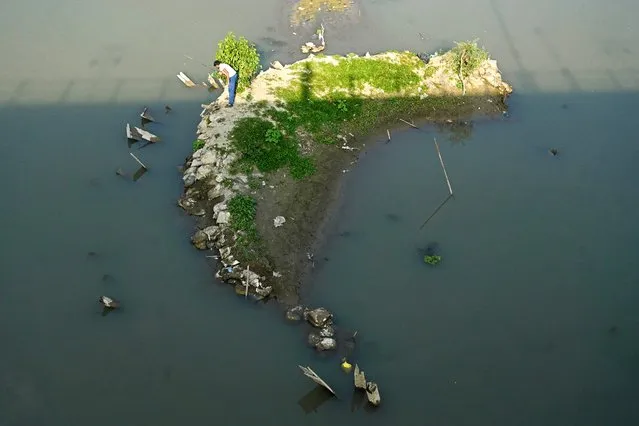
<point>232,88</point>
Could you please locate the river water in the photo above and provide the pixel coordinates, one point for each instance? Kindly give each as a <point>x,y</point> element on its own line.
<point>530,319</point>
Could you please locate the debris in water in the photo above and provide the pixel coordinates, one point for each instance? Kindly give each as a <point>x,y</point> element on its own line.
<point>372,393</point>
<point>346,366</point>
<point>132,133</point>
<point>314,399</point>
<point>167,109</point>
<point>121,172</point>
<point>311,47</point>
<point>308,372</point>
<point>553,151</point>
<point>108,302</point>
<point>139,173</point>
<point>146,116</point>
<point>184,79</point>
<point>147,136</point>
<point>138,160</point>
<point>359,378</point>
<point>279,221</point>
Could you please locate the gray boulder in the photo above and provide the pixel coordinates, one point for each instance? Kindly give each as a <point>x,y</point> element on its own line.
<point>318,317</point>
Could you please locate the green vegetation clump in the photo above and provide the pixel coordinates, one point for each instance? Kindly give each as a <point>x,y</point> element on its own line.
<point>466,57</point>
<point>268,147</point>
<point>432,259</point>
<point>242,55</point>
<point>242,209</point>
<point>198,144</point>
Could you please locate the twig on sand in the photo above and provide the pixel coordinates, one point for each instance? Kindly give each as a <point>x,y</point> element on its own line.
<point>450,189</point>
<point>410,124</point>
<point>138,160</point>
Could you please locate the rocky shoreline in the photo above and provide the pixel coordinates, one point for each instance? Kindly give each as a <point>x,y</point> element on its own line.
<point>290,211</point>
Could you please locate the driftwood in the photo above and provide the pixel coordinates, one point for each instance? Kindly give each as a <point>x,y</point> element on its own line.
<point>308,372</point>
<point>388,134</point>
<point>186,80</point>
<point>359,378</point>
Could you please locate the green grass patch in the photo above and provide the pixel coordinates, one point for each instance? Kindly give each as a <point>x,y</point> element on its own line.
<point>353,74</point>
<point>249,245</point>
<point>268,147</point>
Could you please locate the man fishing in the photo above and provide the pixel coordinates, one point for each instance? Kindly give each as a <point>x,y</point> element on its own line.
<point>231,78</point>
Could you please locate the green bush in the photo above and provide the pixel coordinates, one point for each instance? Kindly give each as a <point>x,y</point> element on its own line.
<point>466,57</point>
<point>242,210</point>
<point>198,144</point>
<point>242,55</point>
<point>432,259</point>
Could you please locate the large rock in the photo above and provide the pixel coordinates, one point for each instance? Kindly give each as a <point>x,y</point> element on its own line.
<point>188,179</point>
<point>327,331</point>
<point>318,317</point>
<point>223,218</point>
<point>321,343</point>
<point>199,240</point>
<point>296,313</point>
<point>203,171</point>
<point>208,157</point>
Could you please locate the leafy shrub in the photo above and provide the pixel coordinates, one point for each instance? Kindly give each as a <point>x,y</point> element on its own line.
<point>242,55</point>
<point>466,57</point>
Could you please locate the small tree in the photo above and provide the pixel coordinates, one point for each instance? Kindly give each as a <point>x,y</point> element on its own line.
<point>242,55</point>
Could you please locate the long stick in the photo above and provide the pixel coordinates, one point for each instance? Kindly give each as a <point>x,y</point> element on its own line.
<point>410,124</point>
<point>436,210</point>
<point>247,283</point>
<point>138,160</point>
<point>450,189</point>
<point>461,72</point>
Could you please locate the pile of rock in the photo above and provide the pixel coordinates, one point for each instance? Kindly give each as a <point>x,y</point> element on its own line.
<point>209,181</point>
<point>322,337</point>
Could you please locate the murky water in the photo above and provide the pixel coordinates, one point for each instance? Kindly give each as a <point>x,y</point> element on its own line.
<point>530,319</point>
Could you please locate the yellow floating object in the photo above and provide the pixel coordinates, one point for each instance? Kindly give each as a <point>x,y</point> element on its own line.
<point>346,366</point>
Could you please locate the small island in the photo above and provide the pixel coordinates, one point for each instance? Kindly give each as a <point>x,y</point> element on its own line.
<point>264,174</point>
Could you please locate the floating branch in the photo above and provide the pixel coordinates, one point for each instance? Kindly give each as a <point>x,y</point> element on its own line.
<point>388,134</point>
<point>450,189</point>
<point>308,372</point>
